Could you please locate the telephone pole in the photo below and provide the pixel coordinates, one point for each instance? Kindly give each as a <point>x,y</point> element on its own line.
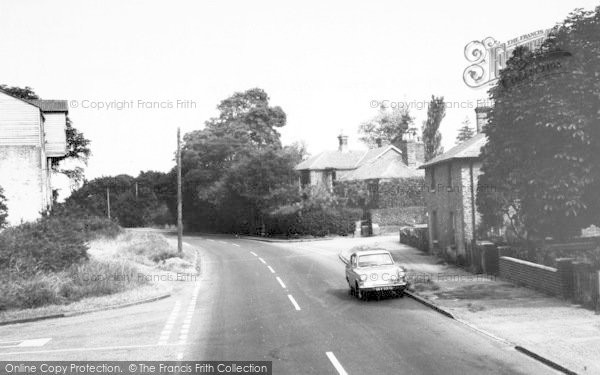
<point>179,198</point>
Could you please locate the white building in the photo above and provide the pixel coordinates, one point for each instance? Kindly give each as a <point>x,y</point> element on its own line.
<point>32,133</point>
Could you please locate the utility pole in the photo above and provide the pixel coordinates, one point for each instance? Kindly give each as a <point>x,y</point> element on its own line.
<point>179,198</point>
<point>108,201</point>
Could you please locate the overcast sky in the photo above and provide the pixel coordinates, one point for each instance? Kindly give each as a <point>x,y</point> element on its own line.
<point>323,62</point>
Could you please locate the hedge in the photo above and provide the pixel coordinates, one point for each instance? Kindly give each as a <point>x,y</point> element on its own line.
<point>317,222</point>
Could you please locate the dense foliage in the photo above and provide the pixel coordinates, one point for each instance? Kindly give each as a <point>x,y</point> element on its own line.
<point>387,127</point>
<point>235,170</point>
<point>432,138</point>
<point>3,209</point>
<point>51,243</point>
<point>543,153</point>
<point>319,214</point>
<point>134,202</point>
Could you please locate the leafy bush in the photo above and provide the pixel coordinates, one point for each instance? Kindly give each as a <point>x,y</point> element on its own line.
<point>3,209</point>
<point>89,279</point>
<point>53,242</point>
<point>314,221</point>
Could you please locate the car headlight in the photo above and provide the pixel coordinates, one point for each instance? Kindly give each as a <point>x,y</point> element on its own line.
<point>401,274</point>
<point>363,277</point>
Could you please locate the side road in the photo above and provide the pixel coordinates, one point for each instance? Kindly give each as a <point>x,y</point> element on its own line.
<point>552,328</point>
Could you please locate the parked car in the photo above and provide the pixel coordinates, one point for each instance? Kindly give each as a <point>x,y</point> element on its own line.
<point>370,271</point>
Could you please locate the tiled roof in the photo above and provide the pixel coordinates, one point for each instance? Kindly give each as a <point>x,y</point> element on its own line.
<point>332,159</point>
<point>469,149</point>
<point>51,105</point>
<point>386,166</point>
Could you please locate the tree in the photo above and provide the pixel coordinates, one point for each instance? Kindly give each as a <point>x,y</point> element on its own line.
<point>387,128</point>
<point>431,134</point>
<point>77,145</point>
<point>235,169</point>
<point>465,132</point>
<point>542,156</point>
<point>3,209</point>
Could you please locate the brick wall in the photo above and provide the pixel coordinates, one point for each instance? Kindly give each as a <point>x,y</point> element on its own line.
<point>21,173</point>
<point>536,276</point>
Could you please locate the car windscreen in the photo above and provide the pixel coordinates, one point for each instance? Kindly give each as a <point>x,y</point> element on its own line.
<point>375,260</point>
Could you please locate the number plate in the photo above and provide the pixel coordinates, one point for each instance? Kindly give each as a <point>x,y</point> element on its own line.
<point>383,288</point>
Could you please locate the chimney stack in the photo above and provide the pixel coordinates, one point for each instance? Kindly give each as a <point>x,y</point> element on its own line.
<point>413,149</point>
<point>343,143</point>
<point>481,115</point>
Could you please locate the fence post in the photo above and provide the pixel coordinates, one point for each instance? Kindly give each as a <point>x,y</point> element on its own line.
<point>565,270</point>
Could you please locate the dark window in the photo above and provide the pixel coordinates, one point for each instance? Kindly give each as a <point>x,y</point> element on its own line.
<point>432,177</point>
<point>434,226</point>
<point>449,182</point>
<point>452,228</point>
<point>304,178</point>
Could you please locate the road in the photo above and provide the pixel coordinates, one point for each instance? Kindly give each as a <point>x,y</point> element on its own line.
<point>261,301</point>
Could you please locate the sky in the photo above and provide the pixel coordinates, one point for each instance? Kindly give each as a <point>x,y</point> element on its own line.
<point>134,71</point>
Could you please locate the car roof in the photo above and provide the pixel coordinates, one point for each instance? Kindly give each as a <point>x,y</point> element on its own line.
<point>370,252</point>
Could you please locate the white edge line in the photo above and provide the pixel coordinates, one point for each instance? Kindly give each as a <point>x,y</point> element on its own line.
<point>271,269</point>
<point>281,282</point>
<point>296,306</point>
<point>253,253</point>
<point>262,260</point>
<point>336,363</point>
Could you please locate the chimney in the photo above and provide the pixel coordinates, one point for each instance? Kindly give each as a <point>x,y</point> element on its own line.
<point>343,143</point>
<point>481,115</point>
<point>413,149</point>
<point>378,142</point>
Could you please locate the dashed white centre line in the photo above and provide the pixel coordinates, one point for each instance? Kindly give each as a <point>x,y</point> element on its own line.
<point>253,253</point>
<point>262,260</point>
<point>234,244</point>
<point>296,306</point>
<point>271,269</point>
<point>336,363</point>
<point>280,282</point>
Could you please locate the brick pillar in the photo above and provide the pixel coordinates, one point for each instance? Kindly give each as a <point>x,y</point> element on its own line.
<point>565,270</point>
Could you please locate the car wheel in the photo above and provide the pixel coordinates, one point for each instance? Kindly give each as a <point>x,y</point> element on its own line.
<point>400,294</point>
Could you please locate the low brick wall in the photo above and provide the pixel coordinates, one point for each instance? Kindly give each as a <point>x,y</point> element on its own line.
<point>536,276</point>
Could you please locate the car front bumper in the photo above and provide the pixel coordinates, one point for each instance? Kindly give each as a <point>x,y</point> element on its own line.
<point>396,287</point>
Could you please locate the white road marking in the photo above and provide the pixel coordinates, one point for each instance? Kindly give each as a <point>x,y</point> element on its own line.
<point>280,282</point>
<point>234,244</point>
<point>93,349</point>
<point>336,363</point>
<point>271,269</point>
<point>24,343</point>
<point>296,306</point>
<point>166,332</point>
<point>262,260</point>
<point>253,253</point>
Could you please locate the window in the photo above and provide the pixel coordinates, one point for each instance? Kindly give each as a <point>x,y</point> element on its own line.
<point>452,228</point>
<point>434,229</point>
<point>449,182</point>
<point>432,178</point>
<point>304,178</point>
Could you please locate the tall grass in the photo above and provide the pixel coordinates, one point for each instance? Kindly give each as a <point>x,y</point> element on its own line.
<point>90,278</point>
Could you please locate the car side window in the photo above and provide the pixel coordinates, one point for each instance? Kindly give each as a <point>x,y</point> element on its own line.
<point>353,260</point>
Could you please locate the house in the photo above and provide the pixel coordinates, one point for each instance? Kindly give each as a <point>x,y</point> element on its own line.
<point>450,191</point>
<point>386,162</point>
<point>32,134</point>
